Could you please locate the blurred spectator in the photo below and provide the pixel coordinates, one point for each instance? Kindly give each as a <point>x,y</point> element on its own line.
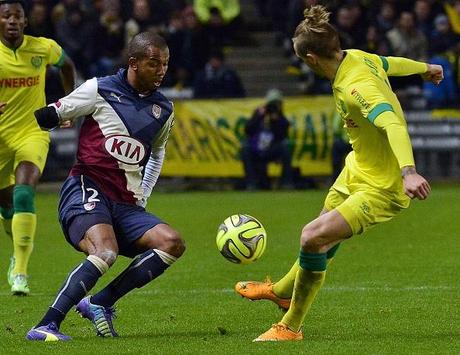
<point>222,19</point>
<point>386,17</point>
<point>59,10</point>
<point>442,39</point>
<point>452,9</point>
<point>266,141</point>
<point>217,80</point>
<point>376,42</point>
<point>189,47</point>
<point>348,21</point>
<point>406,40</point>
<point>109,36</point>
<point>423,17</point>
<point>197,45</point>
<point>39,24</point>
<point>178,74</point>
<point>163,9</point>
<point>141,19</point>
<point>76,33</point>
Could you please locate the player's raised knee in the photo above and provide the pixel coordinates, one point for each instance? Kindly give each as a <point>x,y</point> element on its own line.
<point>172,243</point>
<point>311,239</point>
<point>108,255</point>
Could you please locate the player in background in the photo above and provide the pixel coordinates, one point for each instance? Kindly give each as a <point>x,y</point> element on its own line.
<point>23,145</point>
<point>379,177</point>
<point>102,203</point>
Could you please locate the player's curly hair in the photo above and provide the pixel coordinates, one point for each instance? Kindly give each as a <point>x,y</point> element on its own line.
<point>315,34</point>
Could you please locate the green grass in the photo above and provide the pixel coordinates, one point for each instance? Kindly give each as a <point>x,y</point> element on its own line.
<point>394,290</point>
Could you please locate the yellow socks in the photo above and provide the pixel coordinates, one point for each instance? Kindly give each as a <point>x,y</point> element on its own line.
<point>283,288</point>
<point>308,281</point>
<point>23,227</point>
<point>306,286</point>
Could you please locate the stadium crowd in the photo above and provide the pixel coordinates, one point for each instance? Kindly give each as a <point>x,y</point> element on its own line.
<point>95,33</point>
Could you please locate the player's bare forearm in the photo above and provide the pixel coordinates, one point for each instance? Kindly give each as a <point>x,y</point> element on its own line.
<point>2,107</point>
<point>415,185</point>
<point>434,74</point>
<point>68,75</point>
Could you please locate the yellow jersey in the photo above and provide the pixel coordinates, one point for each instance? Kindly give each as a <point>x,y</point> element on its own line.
<point>22,83</point>
<point>362,95</point>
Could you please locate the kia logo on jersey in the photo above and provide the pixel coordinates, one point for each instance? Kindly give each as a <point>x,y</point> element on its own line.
<point>125,149</point>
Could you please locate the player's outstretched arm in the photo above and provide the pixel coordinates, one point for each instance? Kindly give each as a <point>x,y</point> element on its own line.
<point>400,66</point>
<point>434,74</point>
<point>68,75</point>
<point>415,185</point>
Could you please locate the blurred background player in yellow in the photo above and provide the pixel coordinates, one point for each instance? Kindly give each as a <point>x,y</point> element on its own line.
<point>379,177</point>
<point>23,145</point>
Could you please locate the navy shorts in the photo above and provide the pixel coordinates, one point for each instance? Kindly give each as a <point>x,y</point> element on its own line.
<point>83,205</point>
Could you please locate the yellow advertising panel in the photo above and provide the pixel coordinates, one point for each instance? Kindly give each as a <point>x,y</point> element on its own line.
<point>205,140</point>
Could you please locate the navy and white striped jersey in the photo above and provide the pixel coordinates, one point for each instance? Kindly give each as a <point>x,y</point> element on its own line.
<point>123,137</point>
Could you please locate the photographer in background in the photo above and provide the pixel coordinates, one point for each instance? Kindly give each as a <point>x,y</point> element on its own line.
<point>267,141</point>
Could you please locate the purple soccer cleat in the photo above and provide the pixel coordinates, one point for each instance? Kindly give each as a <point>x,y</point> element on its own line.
<point>49,332</point>
<point>100,316</point>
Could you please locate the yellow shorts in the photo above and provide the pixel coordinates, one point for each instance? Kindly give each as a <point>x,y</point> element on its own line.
<point>32,148</point>
<point>363,206</point>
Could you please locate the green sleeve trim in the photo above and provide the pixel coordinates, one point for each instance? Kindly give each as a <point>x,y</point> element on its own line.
<point>61,60</point>
<point>377,110</point>
<point>384,63</point>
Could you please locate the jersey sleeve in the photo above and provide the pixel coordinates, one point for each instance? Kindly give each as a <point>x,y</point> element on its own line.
<point>80,102</point>
<point>399,66</point>
<point>377,109</point>
<point>369,100</point>
<point>56,53</point>
<point>155,163</point>
<point>398,137</point>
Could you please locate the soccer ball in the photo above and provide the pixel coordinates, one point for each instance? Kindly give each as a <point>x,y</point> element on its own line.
<point>241,239</point>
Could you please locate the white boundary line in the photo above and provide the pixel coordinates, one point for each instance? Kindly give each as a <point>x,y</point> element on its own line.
<point>324,289</point>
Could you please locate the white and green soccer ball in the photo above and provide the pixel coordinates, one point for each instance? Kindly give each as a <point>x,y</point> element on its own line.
<point>241,239</point>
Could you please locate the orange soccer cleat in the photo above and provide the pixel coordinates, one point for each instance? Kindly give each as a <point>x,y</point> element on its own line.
<point>255,290</point>
<point>279,332</point>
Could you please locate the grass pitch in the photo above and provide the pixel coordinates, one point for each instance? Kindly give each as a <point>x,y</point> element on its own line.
<point>394,290</point>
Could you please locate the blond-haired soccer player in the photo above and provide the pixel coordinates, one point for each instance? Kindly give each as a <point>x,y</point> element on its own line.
<point>23,145</point>
<point>379,177</point>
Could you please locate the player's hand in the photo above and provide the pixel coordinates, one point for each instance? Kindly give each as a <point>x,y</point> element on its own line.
<point>415,185</point>
<point>2,107</point>
<point>66,124</point>
<point>434,74</point>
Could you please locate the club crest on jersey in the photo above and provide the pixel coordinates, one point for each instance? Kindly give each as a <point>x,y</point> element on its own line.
<point>89,206</point>
<point>156,111</point>
<point>36,61</point>
<point>125,149</point>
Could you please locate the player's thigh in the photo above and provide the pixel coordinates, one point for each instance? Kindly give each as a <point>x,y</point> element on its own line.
<point>81,206</point>
<point>366,208</point>
<point>34,149</point>
<point>164,238</point>
<point>325,231</point>
<point>131,223</point>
